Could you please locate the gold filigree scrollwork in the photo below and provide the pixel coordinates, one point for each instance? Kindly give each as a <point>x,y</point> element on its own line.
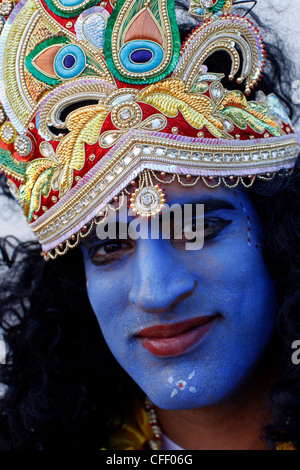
<point>229,34</point>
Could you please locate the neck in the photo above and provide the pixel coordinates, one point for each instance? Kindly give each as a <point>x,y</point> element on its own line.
<point>234,425</point>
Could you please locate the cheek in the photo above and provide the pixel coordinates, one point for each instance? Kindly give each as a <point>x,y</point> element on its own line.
<point>108,295</point>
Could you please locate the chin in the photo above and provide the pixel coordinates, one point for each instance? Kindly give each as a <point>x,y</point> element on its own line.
<point>209,394</point>
<point>182,402</point>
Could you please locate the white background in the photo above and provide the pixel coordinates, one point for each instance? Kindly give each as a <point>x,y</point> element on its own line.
<point>283,15</point>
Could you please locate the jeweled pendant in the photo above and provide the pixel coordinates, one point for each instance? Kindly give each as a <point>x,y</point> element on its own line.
<point>147,201</point>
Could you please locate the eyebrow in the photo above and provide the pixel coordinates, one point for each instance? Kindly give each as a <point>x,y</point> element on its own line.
<point>213,204</point>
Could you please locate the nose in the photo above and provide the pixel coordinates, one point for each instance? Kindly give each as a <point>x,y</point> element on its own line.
<point>160,279</point>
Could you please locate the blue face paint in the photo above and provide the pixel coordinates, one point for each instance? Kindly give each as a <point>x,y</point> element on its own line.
<point>156,286</point>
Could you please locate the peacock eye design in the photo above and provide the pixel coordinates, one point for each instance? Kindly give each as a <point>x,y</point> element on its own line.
<point>141,56</point>
<point>69,8</point>
<point>69,62</point>
<point>55,60</point>
<point>142,41</point>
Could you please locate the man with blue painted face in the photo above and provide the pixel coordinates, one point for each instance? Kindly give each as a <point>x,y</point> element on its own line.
<point>125,336</point>
<point>192,326</point>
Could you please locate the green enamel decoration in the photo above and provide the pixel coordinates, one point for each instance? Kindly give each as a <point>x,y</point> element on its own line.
<point>29,60</point>
<point>11,166</point>
<point>244,117</point>
<point>164,45</point>
<point>217,7</point>
<point>51,80</point>
<point>69,11</point>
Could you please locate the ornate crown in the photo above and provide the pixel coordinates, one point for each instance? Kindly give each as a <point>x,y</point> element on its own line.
<point>95,95</point>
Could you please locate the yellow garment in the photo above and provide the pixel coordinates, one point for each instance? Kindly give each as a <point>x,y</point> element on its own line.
<point>285,446</point>
<point>136,433</point>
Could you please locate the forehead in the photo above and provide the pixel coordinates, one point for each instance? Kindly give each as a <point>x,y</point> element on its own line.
<point>200,193</point>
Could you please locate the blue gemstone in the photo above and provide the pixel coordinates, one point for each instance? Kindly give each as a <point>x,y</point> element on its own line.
<point>69,61</point>
<point>141,56</point>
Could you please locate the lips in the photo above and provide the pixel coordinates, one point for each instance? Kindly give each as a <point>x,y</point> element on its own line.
<point>175,339</point>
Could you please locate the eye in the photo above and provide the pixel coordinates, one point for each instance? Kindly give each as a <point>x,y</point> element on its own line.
<point>212,226</point>
<point>110,251</point>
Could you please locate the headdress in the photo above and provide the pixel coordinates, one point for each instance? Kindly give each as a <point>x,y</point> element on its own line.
<point>95,95</point>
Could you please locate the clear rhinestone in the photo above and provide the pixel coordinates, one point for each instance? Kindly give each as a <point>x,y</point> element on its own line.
<point>122,99</point>
<point>282,153</point>
<point>171,154</point>
<point>228,157</point>
<point>265,155</point>
<point>101,186</point>
<point>46,149</point>
<point>228,125</point>
<point>196,156</point>
<point>108,178</point>
<point>155,123</point>
<point>125,114</point>
<point>93,193</point>
<point>295,150</point>
<point>274,154</point>
<point>184,156</point>
<point>22,146</point>
<point>58,223</point>
<point>255,156</point>
<point>136,150</point>
<point>85,201</point>
<point>207,3</point>
<point>77,207</point>
<point>117,169</point>
<point>160,152</point>
<point>147,150</point>
<point>246,157</point>
<point>126,160</point>
<point>6,7</point>
<point>216,92</point>
<point>147,199</point>
<point>7,132</point>
<point>218,157</point>
<point>109,139</point>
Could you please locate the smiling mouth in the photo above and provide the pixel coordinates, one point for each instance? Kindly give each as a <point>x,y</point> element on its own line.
<point>175,339</point>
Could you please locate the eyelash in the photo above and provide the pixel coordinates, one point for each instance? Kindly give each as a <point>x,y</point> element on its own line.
<point>109,258</point>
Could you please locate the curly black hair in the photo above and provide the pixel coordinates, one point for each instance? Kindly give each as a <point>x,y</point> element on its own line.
<point>62,383</point>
